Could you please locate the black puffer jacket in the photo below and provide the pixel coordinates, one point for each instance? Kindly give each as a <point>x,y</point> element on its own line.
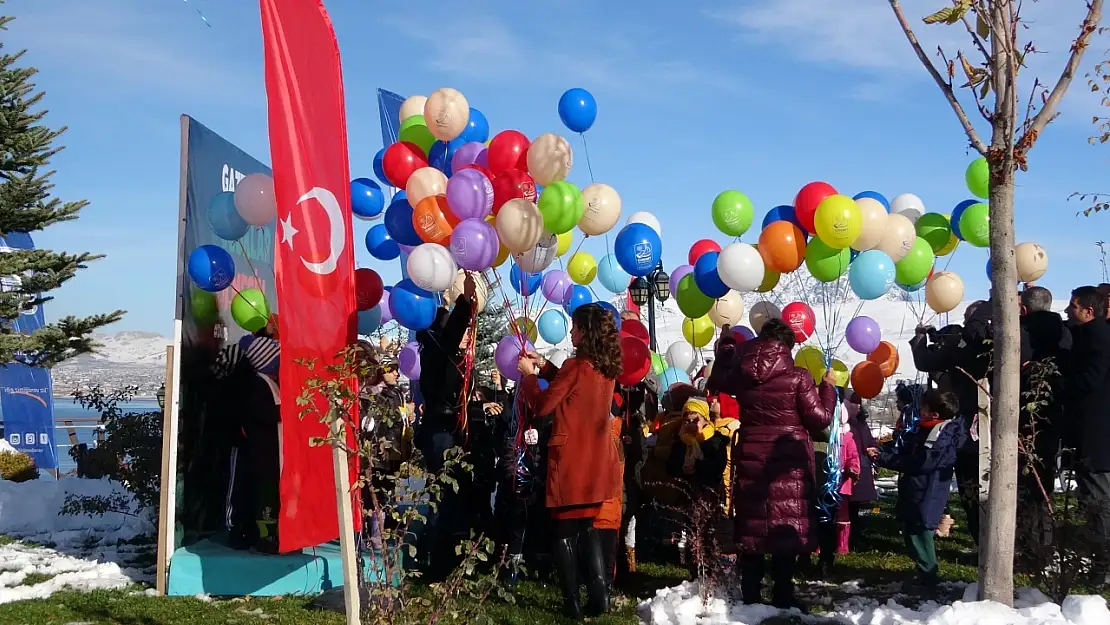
<point>440,366</point>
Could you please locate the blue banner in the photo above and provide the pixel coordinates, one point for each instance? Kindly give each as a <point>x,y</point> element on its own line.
<point>26,393</point>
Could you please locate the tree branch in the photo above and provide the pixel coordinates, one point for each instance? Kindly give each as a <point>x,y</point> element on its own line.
<point>949,94</point>
<point>975,38</point>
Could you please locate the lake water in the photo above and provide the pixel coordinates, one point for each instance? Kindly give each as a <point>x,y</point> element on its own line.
<point>64,408</point>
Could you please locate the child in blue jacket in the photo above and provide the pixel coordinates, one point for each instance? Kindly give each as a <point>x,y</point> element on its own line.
<point>926,462</point>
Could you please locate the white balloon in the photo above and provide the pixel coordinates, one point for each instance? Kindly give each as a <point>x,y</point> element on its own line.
<point>727,309</point>
<point>446,113</point>
<point>557,357</point>
<point>874,218</point>
<point>481,289</point>
<point>646,218</point>
<point>255,200</point>
<point>412,106</point>
<point>540,257</point>
<point>603,209</point>
<point>898,237</point>
<point>740,267</point>
<point>549,159</point>
<point>908,205</point>
<point>680,355</point>
<point>431,267</point>
<point>760,313</point>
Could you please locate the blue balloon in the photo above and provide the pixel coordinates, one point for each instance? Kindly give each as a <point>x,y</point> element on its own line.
<point>706,276</point>
<point>874,195</point>
<point>543,384</point>
<point>411,306</point>
<point>578,109</point>
<point>638,249</point>
<point>853,255</point>
<point>367,199</point>
<point>783,212</point>
<point>959,212</point>
<point>441,154</point>
<point>553,326</point>
<point>612,310</point>
<point>380,244</point>
<point>211,268</point>
<point>378,171</point>
<point>226,222</point>
<point>477,129</point>
<point>398,221</point>
<point>369,320</point>
<point>579,296</point>
<point>523,282</point>
<point>612,277</point>
<point>673,376</point>
<point>871,275</point>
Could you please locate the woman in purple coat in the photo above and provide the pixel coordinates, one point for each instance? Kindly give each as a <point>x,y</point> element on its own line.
<point>774,488</point>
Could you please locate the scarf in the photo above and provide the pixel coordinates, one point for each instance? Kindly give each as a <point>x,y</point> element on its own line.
<point>693,447</point>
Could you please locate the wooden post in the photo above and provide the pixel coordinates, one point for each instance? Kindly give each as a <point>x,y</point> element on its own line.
<point>165,518</point>
<point>348,553</point>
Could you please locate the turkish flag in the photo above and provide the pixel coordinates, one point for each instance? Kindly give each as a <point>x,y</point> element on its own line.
<point>314,258</point>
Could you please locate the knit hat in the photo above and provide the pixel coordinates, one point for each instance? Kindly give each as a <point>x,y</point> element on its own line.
<point>262,352</point>
<point>696,406</point>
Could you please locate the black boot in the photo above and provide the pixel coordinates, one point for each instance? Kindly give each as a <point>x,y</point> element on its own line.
<point>512,572</point>
<point>597,587</point>
<point>564,555</point>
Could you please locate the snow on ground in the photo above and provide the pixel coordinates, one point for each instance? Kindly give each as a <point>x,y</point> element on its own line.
<point>78,551</point>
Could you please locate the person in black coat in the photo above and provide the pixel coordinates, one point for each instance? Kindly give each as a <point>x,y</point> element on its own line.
<point>638,410</point>
<point>863,492</point>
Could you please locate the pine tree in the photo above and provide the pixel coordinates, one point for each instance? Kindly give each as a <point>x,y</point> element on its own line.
<point>492,326</point>
<point>26,147</point>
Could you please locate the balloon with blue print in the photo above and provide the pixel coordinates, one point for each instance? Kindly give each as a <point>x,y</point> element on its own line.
<point>638,249</point>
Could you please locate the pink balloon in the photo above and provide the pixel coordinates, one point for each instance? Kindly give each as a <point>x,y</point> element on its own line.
<point>470,194</point>
<point>474,244</point>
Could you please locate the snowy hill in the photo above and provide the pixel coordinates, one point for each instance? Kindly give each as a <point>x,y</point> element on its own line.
<point>125,348</point>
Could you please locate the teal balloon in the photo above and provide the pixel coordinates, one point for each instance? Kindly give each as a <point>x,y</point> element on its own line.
<point>553,326</point>
<point>224,219</point>
<point>611,275</point>
<point>673,376</point>
<point>871,274</point>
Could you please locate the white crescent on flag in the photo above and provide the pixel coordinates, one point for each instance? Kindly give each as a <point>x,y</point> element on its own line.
<point>335,222</point>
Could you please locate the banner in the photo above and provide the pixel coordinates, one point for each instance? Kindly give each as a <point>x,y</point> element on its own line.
<point>26,393</point>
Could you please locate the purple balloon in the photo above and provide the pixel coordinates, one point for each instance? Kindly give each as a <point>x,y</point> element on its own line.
<point>474,244</point>
<point>467,154</point>
<point>742,333</point>
<point>470,194</point>
<point>863,335</point>
<point>409,360</point>
<point>678,274</point>
<point>556,286</point>
<point>483,158</point>
<point>508,353</point>
<point>406,249</point>
<point>387,314</point>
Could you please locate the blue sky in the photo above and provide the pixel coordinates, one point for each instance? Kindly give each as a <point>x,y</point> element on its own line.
<point>759,97</point>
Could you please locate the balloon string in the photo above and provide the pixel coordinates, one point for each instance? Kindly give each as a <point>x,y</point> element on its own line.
<point>203,19</point>
<point>254,271</point>
<point>586,151</point>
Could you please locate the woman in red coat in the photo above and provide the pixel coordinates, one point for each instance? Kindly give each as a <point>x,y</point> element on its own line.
<point>774,489</point>
<point>582,463</point>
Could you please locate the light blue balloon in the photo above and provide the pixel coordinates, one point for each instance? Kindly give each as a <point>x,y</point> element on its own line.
<point>369,320</point>
<point>673,376</point>
<point>224,219</point>
<point>871,274</point>
<point>612,277</point>
<point>553,326</point>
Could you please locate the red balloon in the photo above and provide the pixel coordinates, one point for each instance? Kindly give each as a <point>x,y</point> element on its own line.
<point>368,288</point>
<point>807,200</point>
<point>508,150</point>
<point>799,316</point>
<point>634,328</point>
<point>635,360</point>
<point>511,184</point>
<point>702,247</point>
<point>485,171</point>
<point>400,160</point>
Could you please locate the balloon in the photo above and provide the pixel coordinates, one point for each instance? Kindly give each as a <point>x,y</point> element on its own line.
<point>556,287</point>
<point>579,295</point>
<point>701,247</point>
<point>944,291</point>
<point>1032,261</point>
<point>508,150</point>
<point>681,356</point>
<point>863,334</point>
<point>369,320</point>
<point>838,221</point>
<point>513,184</point>
<point>566,239</point>
<point>840,373</point>
<point>873,195</point>
<point>732,213</point>
<point>557,357</point>
<point>368,288</point>
<point>553,326</point>
<point>916,265</point>
<point>507,353</point>
<point>638,249</point>
<point>975,225</point>
<point>367,199</point>
<point>953,240</point>
<point>633,327</point>
<point>935,229</point>
<point>415,130</point>
<point>400,161</point>
<point>477,128</point>
<point>474,244</point>
<point>519,225</point>
<point>707,278</point>
<point>408,360</point>
<point>379,171</point>
<point>423,183</point>
<point>867,379</point>
<point>582,268</point>
<point>612,310</point>
<point>612,277</point>
<point>807,201</point>
<point>224,219</point>
<point>468,154</point>
<point>871,274</point>
<point>741,267</point>
<point>561,205</point>
<point>549,158</point>
<point>538,258</point>
<point>812,359</point>
<point>458,287</point>
<point>691,301</point>
<point>413,105</point>
<point>873,216</point>
<point>523,282</point>
<point>799,316</point>
<point>782,246</point>
<point>977,177</point>
<point>577,109</point>
<point>898,238</point>
<point>432,220</point>
<point>602,209</point>
<point>446,113</point>
<point>826,264</point>
<point>658,364</point>
<point>411,306</point>
<point>908,205</point>
<point>249,310</point>
<point>886,356</point>
<point>698,331</point>
<point>211,268</point>
<point>441,155</point>
<point>770,280</point>
<point>673,376</point>
<point>646,218</point>
<point>728,309</point>
<point>784,212</point>
<point>761,312</point>
<point>635,361</point>
<point>387,314</point>
<point>205,307</point>
<point>957,213</point>
<point>255,200</point>
<point>431,267</point>
<point>525,327</point>
<point>469,194</point>
<point>742,334</point>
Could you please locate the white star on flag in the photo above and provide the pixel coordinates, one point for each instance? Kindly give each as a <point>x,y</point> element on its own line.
<point>287,231</point>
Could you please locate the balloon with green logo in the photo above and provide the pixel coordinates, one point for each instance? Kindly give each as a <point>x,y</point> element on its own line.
<point>733,213</point>
<point>975,225</point>
<point>249,310</point>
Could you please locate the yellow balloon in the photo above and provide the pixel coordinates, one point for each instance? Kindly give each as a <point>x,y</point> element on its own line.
<point>582,268</point>
<point>502,251</point>
<point>838,221</point>
<point>840,372</point>
<point>565,241</point>
<point>812,359</point>
<point>770,277</point>
<point>698,332</point>
<point>953,241</point>
<point>527,327</point>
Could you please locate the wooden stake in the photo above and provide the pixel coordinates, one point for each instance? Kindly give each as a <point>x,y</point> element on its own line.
<point>347,547</point>
<point>165,517</point>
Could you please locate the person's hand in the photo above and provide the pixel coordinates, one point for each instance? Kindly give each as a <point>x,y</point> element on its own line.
<point>525,365</point>
<point>469,286</point>
<point>492,408</point>
<point>830,378</point>
<point>496,376</point>
<point>922,329</point>
<point>873,453</point>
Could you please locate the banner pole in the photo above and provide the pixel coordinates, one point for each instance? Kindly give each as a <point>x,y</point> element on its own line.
<point>347,548</point>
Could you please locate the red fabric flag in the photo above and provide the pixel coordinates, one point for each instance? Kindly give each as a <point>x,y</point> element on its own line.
<point>314,256</point>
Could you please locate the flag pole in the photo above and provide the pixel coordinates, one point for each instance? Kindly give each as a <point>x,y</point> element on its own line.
<point>347,548</point>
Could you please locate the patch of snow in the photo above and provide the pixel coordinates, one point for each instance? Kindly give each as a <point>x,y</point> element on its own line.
<point>30,510</point>
<point>17,561</point>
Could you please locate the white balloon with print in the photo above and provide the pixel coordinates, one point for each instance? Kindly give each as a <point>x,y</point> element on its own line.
<point>431,267</point>
<point>539,258</point>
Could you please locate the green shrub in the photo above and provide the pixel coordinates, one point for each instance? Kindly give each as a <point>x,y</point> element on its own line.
<point>17,467</point>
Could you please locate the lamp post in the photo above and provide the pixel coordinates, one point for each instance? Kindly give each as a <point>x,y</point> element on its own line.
<point>645,290</point>
<point>161,397</point>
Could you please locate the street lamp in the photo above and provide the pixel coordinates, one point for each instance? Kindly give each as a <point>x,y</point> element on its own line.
<point>657,283</point>
<point>161,397</point>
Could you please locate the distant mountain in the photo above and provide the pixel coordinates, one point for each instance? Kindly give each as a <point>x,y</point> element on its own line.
<point>124,348</point>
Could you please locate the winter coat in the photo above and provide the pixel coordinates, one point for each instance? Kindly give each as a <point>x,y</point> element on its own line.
<point>582,462</point>
<point>1050,343</point>
<point>774,489</point>
<point>441,370</point>
<point>864,488</point>
<point>610,516</point>
<point>1087,394</point>
<point>926,463</point>
<point>636,408</point>
<point>849,464</point>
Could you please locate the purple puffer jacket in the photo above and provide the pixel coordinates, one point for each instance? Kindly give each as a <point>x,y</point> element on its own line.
<point>774,488</point>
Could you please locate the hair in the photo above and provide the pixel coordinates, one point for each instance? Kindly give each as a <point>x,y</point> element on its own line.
<point>777,330</point>
<point>903,393</point>
<point>600,343</point>
<point>1089,297</point>
<point>944,403</point>
<point>1036,299</point>
<point>1104,289</point>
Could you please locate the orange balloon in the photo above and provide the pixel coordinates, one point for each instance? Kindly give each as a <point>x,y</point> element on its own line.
<point>867,379</point>
<point>431,221</point>
<point>782,246</point>
<point>886,356</point>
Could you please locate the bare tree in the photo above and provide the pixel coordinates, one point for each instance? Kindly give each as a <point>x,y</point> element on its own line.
<point>991,69</point>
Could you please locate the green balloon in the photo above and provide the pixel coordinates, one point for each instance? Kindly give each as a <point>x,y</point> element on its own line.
<point>691,301</point>
<point>249,310</point>
<point>916,265</point>
<point>733,213</point>
<point>978,177</point>
<point>826,264</point>
<point>975,225</point>
<point>205,307</point>
<point>934,228</point>
<point>658,365</point>
<point>415,130</point>
<point>562,207</point>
